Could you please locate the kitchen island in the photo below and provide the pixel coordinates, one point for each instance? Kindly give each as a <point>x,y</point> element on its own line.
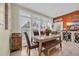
<point>72,36</point>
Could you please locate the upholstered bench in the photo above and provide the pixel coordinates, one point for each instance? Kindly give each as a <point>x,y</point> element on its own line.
<point>50,45</point>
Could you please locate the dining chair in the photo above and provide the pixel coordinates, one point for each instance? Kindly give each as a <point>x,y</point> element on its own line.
<point>36,33</point>
<point>42,32</point>
<point>29,45</point>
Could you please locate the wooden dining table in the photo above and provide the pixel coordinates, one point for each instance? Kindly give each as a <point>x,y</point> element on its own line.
<point>44,39</point>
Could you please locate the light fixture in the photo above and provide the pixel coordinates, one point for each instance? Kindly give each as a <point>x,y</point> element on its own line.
<point>69,23</point>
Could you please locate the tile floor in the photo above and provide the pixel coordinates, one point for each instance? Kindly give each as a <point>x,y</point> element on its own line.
<point>68,49</point>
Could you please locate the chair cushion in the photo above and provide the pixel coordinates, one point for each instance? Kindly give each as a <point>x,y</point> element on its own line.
<point>52,43</point>
<point>33,46</point>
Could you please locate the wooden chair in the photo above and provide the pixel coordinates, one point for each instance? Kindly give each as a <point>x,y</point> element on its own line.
<point>29,46</point>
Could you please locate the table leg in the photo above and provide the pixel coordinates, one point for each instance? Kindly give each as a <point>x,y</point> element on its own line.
<point>60,43</point>
<point>40,49</point>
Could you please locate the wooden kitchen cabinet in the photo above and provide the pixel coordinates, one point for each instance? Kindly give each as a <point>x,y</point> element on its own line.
<point>16,41</point>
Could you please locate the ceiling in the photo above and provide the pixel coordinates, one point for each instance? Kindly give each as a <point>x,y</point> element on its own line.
<point>51,9</point>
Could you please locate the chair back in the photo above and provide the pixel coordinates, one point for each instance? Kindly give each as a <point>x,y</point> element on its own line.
<point>42,32</point>
<point>27,39</point>
<point>36,33</point>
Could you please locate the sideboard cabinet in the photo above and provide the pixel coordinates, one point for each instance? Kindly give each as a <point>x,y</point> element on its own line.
<point>15,41</point>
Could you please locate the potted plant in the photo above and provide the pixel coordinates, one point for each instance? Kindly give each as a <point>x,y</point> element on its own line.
<point>47,31</point>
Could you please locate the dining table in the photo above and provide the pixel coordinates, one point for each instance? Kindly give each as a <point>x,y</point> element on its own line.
<point>43,39</point>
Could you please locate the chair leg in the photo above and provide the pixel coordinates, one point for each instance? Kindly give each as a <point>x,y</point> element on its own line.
<point>28,51</point>
<point>61,45</point>
<point>48,53</point>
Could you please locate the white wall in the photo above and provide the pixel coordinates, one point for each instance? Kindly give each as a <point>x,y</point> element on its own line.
<point>15,19</point>
<point>4,34</point>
